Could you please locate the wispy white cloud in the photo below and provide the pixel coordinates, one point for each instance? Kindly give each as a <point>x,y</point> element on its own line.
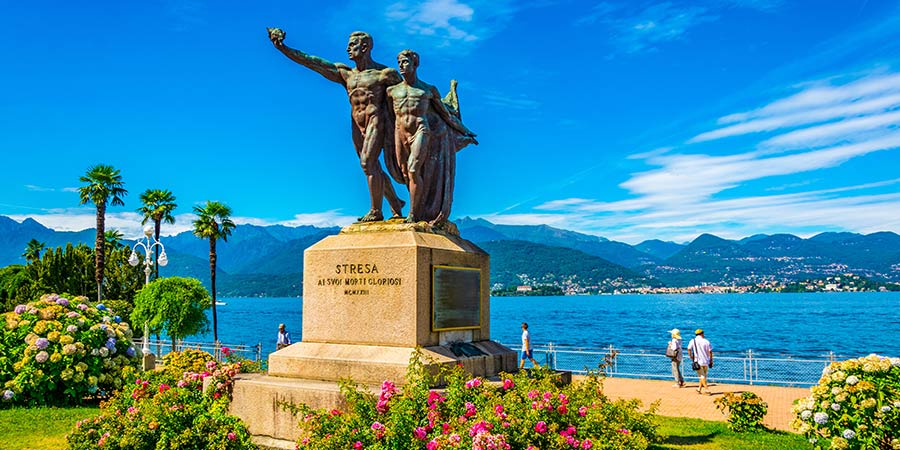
<point>35,188</point>
<point>519,101</point>
<point>436,25</point>
<point>818,103</point>
<point>685,192</point>
<point>645,28</point>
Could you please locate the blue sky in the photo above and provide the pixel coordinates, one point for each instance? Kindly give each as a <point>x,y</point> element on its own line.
<point>629,120</point>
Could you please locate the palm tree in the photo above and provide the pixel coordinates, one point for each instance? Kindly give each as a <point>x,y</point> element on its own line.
<point>103,185</point>
<point>158,205</point>
<point>113,239</point>
<point>33,250</point>
<point>213,223</point>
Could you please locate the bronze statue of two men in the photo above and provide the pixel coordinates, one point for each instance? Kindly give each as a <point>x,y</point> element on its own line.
<point>405,117</point>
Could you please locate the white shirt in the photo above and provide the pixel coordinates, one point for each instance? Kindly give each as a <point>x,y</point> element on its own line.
<point>702,350</point>
<point>284,338</point>
<point>526,340</point>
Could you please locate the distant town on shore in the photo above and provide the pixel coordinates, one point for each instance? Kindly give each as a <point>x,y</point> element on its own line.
<point>539,260</point>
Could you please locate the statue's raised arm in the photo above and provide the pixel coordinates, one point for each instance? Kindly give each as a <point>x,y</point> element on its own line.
<point>321,66</point>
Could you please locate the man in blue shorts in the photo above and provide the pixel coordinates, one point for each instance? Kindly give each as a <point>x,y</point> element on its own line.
<point>526,347</point>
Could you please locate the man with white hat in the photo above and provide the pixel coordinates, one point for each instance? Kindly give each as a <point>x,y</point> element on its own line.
<point>284,337</point>
<point>700,351</point>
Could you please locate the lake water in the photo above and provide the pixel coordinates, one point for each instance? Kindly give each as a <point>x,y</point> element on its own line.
<point>800,325</point>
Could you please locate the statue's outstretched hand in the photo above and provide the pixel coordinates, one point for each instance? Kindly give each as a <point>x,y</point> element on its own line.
<point>276,35</point>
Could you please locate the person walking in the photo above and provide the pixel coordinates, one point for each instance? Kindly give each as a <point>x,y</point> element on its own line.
<point>676,354</point>
<point>284,337</point>
<point>526,347</point>
<point>700,351</point>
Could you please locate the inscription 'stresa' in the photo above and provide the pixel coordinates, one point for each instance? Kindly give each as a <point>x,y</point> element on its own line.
<point>355,268</point>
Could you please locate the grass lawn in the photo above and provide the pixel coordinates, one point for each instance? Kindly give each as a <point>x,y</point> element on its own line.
<point>695,434</point>
<point>39,428</point>
<point>46,429</point>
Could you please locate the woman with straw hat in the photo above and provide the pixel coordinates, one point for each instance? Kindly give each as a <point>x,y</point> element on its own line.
<point>674,352</point>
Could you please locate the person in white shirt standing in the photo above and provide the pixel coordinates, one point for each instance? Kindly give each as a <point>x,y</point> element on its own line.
<point>526,347</point>
<point>284,337</point>
<point>700,351</point>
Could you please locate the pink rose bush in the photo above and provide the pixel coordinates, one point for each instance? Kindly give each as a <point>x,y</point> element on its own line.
<point>59,351</point>
<point>521,411</point>
<point>162,412</point>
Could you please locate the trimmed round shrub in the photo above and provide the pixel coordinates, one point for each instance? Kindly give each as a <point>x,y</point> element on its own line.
<point>177,363</point>
<point>856,405</point>
<point>58,351</point>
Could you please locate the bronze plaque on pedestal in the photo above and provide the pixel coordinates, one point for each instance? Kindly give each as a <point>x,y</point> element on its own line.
<point>455,298</point>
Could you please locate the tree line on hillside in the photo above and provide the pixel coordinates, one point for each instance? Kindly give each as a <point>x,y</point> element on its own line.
<point>68,269</point>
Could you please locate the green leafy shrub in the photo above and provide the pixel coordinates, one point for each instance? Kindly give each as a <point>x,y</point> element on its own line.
<point>156,415</point>
<point>524,411</point>
<point>177,363</point>
<point>745,410</point>
<point>856,405</point>
<point>247,365</point>
<point>59,351</point>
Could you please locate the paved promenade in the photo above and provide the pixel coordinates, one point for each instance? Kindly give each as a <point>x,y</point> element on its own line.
<point>686,402</point>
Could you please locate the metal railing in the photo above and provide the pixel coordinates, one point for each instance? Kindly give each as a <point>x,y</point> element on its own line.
<point>162,347</point>
<point>738,368</point>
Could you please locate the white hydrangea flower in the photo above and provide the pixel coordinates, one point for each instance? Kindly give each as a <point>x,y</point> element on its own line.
<point>836,406</point>
<point>852,379</point>
<point>849,434</point>
<point>885,409</point>
<point>806,414</point>
<point>820,418</point>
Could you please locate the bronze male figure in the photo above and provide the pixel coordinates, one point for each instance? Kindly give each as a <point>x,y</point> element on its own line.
<point>428,134</point>
<point>371,122</point>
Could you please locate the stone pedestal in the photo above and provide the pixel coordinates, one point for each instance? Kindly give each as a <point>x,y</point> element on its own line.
<point>371,296</point>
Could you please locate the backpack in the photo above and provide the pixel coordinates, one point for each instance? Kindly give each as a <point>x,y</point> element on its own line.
<point>671,351</point>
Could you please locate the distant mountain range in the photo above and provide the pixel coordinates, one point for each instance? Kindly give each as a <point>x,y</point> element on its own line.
<point>268,261</point>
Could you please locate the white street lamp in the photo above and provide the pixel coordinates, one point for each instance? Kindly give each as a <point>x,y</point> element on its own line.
<point>147,244</point>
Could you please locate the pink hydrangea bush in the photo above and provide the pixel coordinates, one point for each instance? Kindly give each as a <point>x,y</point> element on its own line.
<point>160,412</point>
<point>522,411</point>
<point>59,350</point>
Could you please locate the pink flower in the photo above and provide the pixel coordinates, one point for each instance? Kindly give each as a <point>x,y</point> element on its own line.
<point>548,395</point>
<point>480,427</point>
<point>420,433</point>
<point>587,444</point>
<point>432,445</point>
<point>470,409</point>
<point>377,426</point>
<point>562,409</point>
<point>508,384</point>
<point>533,394</point>
<point>357,445</point>
<point>226,351</point>
<point>582,411</point>
<point>473,383</point>
<point>624,431</point>
<point>231,436</point>
<point>445,428</point>
<point>541,427</point>
<point>498,409</point>
<point>163,387</point>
